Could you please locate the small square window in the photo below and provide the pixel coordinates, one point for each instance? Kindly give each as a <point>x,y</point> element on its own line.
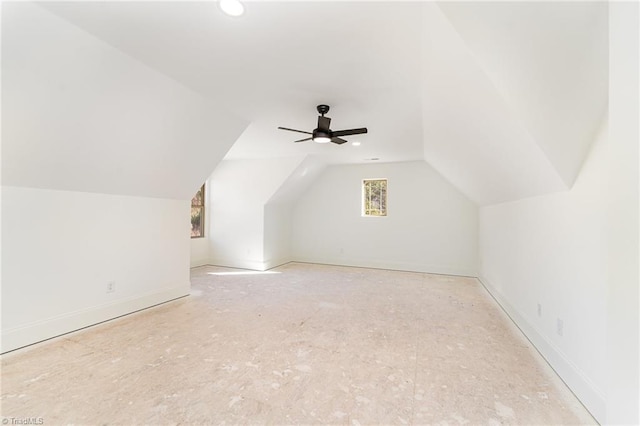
<point>374,197</point>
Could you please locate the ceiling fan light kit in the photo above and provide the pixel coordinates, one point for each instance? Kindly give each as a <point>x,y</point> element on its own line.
<point>323,133</point>
<point>320,137</point>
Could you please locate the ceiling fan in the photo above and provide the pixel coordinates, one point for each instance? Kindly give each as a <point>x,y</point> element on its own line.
<point>323,134</point>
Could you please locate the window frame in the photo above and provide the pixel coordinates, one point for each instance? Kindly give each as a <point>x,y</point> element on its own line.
<point>202,208</point>
<point>363,195</point>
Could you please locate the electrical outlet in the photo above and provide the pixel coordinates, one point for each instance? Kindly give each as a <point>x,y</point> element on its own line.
<point>539,310</point>
<point>560,327</point>
<point>111,287</point>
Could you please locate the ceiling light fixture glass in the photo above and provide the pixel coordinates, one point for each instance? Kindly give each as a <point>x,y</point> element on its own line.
<point>355,143</point>
<point>231,7</point>
<point>321,136</point>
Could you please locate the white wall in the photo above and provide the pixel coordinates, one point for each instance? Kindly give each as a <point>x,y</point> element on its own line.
<point>431,226</point>
<point>239,191</point>
<point>623,304</point>
<point>61,248</point>
<point>577,254</point>
<point>200,251</point>
<point>551,250</point>
<point>249,205</point>
<point>278,212</point>
<point>81,116</point>
<point>277,234</point>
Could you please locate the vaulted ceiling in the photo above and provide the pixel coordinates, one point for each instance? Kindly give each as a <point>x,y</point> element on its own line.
<point>502,98</point>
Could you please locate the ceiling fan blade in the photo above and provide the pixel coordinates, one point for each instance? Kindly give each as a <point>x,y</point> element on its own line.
<point>294,130</point>
<point>302,140</point>
<point>338,140</point>
<point>324,122</point>
<point>349,132</point>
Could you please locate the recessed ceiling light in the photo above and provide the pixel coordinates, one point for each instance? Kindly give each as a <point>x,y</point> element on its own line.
<point>231,7</point>
<point>355,143</point>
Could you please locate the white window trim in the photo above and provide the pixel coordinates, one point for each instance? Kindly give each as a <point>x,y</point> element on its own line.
<point>362,203</point>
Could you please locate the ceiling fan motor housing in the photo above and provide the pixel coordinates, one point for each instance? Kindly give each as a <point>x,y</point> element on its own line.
<point>321,133</point>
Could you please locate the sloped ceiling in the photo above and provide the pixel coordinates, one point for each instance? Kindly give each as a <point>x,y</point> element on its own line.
<point>298,181</point>
<point>501,98</point>
<point>548,61</point>
<point>471,135</point>
<point>78,114</point>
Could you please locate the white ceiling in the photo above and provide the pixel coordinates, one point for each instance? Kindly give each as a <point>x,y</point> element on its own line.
<point>549,63</point>
<point>276,63</point>
<point>502,98</point>
<point>78,114</point>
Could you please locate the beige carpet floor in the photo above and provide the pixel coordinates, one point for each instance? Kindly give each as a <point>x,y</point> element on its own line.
<point>301,344</point>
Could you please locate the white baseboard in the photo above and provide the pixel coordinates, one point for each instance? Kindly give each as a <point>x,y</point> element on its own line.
<point>392,265</point>
<point>200,262</point>
<point>254,265</point>
<point>29,334</point>
<point>591,396</point>
<point>272,263</point>
<point>258,265</point>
